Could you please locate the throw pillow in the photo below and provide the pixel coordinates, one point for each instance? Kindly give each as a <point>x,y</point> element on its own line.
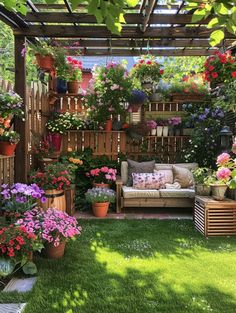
<point>138,167</point>
<point>167,175</point>
<point>183,176</point>
<point>148,180</point>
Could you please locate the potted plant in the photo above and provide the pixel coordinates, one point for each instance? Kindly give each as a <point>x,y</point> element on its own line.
<point>153,126</point>
<point>74,75</point>
<point>224,176</point>
<point>100,199</point>
<point>18,198</point>
<point>201,179</point>
<point>44,54</point>
<point>8,141</point>
<point>62,70</point>
<point>53,227</point>
<point>160,125</point>
<point>174,124</point>
<point>137,131</point>
<point>147,71</point>
<point>102,177</point>
<point>53,180</point>
<point>136,100</point>
<point>108,93</point>
<point>17,245</point>
<point>10,105</point>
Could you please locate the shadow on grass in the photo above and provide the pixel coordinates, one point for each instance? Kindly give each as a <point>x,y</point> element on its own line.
<point>81,283</point>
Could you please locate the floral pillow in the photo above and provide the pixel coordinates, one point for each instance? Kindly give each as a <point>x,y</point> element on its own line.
<point>148,180</point>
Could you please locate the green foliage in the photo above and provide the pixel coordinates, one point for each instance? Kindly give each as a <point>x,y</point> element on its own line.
<point>226,97</point>
<point>201,175</point>
<point>6,266</point>
<point>222,16</point>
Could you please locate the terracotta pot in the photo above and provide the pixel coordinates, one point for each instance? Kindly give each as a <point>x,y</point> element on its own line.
<point>45,62</point>
<point>101,185</point>
<point>55,139</point>
<point>108,125</point>
<point>218,191</point>
<point>73,86</point>
<point>55,199</point>
<point>100,209</point>
<point>52,252</point>
<point>6,148</point>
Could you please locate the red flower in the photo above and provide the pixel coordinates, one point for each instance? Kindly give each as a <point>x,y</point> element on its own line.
<point>148,62</point>
<point>141,61</point>
<point>214,75</point>
<point>233,74</point>
<point>161,72</point>
<point>211,68</point>
<point>18,247</point>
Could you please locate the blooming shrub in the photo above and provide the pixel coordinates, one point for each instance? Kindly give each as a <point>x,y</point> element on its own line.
<point>18,198</point>
<point>100,195</point>
<point>51,226</point>
<point>103,175</point>
<point>221,67</point>
<point>17,242</point>
<point>64,122</point>
<point>147,70</point>
<point>175,121</point>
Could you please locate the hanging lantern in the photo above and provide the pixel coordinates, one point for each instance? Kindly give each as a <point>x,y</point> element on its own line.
<point>226,138</point>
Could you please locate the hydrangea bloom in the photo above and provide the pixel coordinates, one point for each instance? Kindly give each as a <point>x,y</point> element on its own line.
<point>222,159</point>
<point>223,174</point>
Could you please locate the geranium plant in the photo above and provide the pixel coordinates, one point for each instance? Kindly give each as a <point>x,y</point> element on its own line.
<point>75,69</point>
<point>147,70</point>
<point>10,136</point>
<point>189,84</point>
<point>18,198</point>
<point>103,175</point>
<point>95,195</point>
<point>55,176</point>
<point>220,68</point>
<point>10,104</point>
<point>51,226</point>
<point>16,245</point>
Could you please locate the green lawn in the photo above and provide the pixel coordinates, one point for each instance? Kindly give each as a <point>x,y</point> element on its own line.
<point>143,266</point>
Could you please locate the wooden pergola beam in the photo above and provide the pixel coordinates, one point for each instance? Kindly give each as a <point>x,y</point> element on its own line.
<point>127,32</point>
<point>136,52</point>
<point>148,10</point>
<point>131,18</point>
<point>13,17</point>
<point>137,43</point>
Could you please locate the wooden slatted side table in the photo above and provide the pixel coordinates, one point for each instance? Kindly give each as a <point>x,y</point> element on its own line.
<point>215,218</point>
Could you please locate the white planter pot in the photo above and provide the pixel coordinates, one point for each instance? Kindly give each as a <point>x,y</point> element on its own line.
<point>153,132</point>
<point>159,131</point>
<point>218,191</point>
<point>165,131</point>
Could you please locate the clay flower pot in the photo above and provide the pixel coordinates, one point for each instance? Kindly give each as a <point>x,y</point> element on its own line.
<point>108,125</point>
<point>52,252</point>
<point>101,185</point>
<point>45,62</point>
<point>100,209</point>
<point>218,191</point>
<point>73,86</point>
<point>6,148</point>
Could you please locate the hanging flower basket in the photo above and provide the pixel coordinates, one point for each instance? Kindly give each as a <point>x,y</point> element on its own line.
<point>45,62</point>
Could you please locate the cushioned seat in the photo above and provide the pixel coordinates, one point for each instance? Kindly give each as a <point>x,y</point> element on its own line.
<point>177,193</point>
<point>131,193</point>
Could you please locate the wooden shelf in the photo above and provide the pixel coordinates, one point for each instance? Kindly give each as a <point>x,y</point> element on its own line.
<point>64,95</point>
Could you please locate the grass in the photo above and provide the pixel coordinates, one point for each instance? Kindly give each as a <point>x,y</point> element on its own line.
<point>137,266</point>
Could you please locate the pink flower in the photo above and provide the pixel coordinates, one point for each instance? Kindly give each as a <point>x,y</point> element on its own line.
<point>223,173</point>
<point>222,159</point>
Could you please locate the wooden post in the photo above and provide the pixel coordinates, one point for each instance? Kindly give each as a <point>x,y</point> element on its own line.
<point>21,158</point>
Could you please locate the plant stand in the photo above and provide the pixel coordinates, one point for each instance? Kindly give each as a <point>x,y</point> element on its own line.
<point>215,218</point>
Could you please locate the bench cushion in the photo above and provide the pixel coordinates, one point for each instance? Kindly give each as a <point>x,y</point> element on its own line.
<point>130,193</point>
<point>177,193</point>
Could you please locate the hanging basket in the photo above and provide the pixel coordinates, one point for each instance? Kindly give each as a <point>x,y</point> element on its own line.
<point>45,62</point>
<point>6,148</point>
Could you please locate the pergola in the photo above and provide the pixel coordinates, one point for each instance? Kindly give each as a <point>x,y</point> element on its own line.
<point>150,28</point>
